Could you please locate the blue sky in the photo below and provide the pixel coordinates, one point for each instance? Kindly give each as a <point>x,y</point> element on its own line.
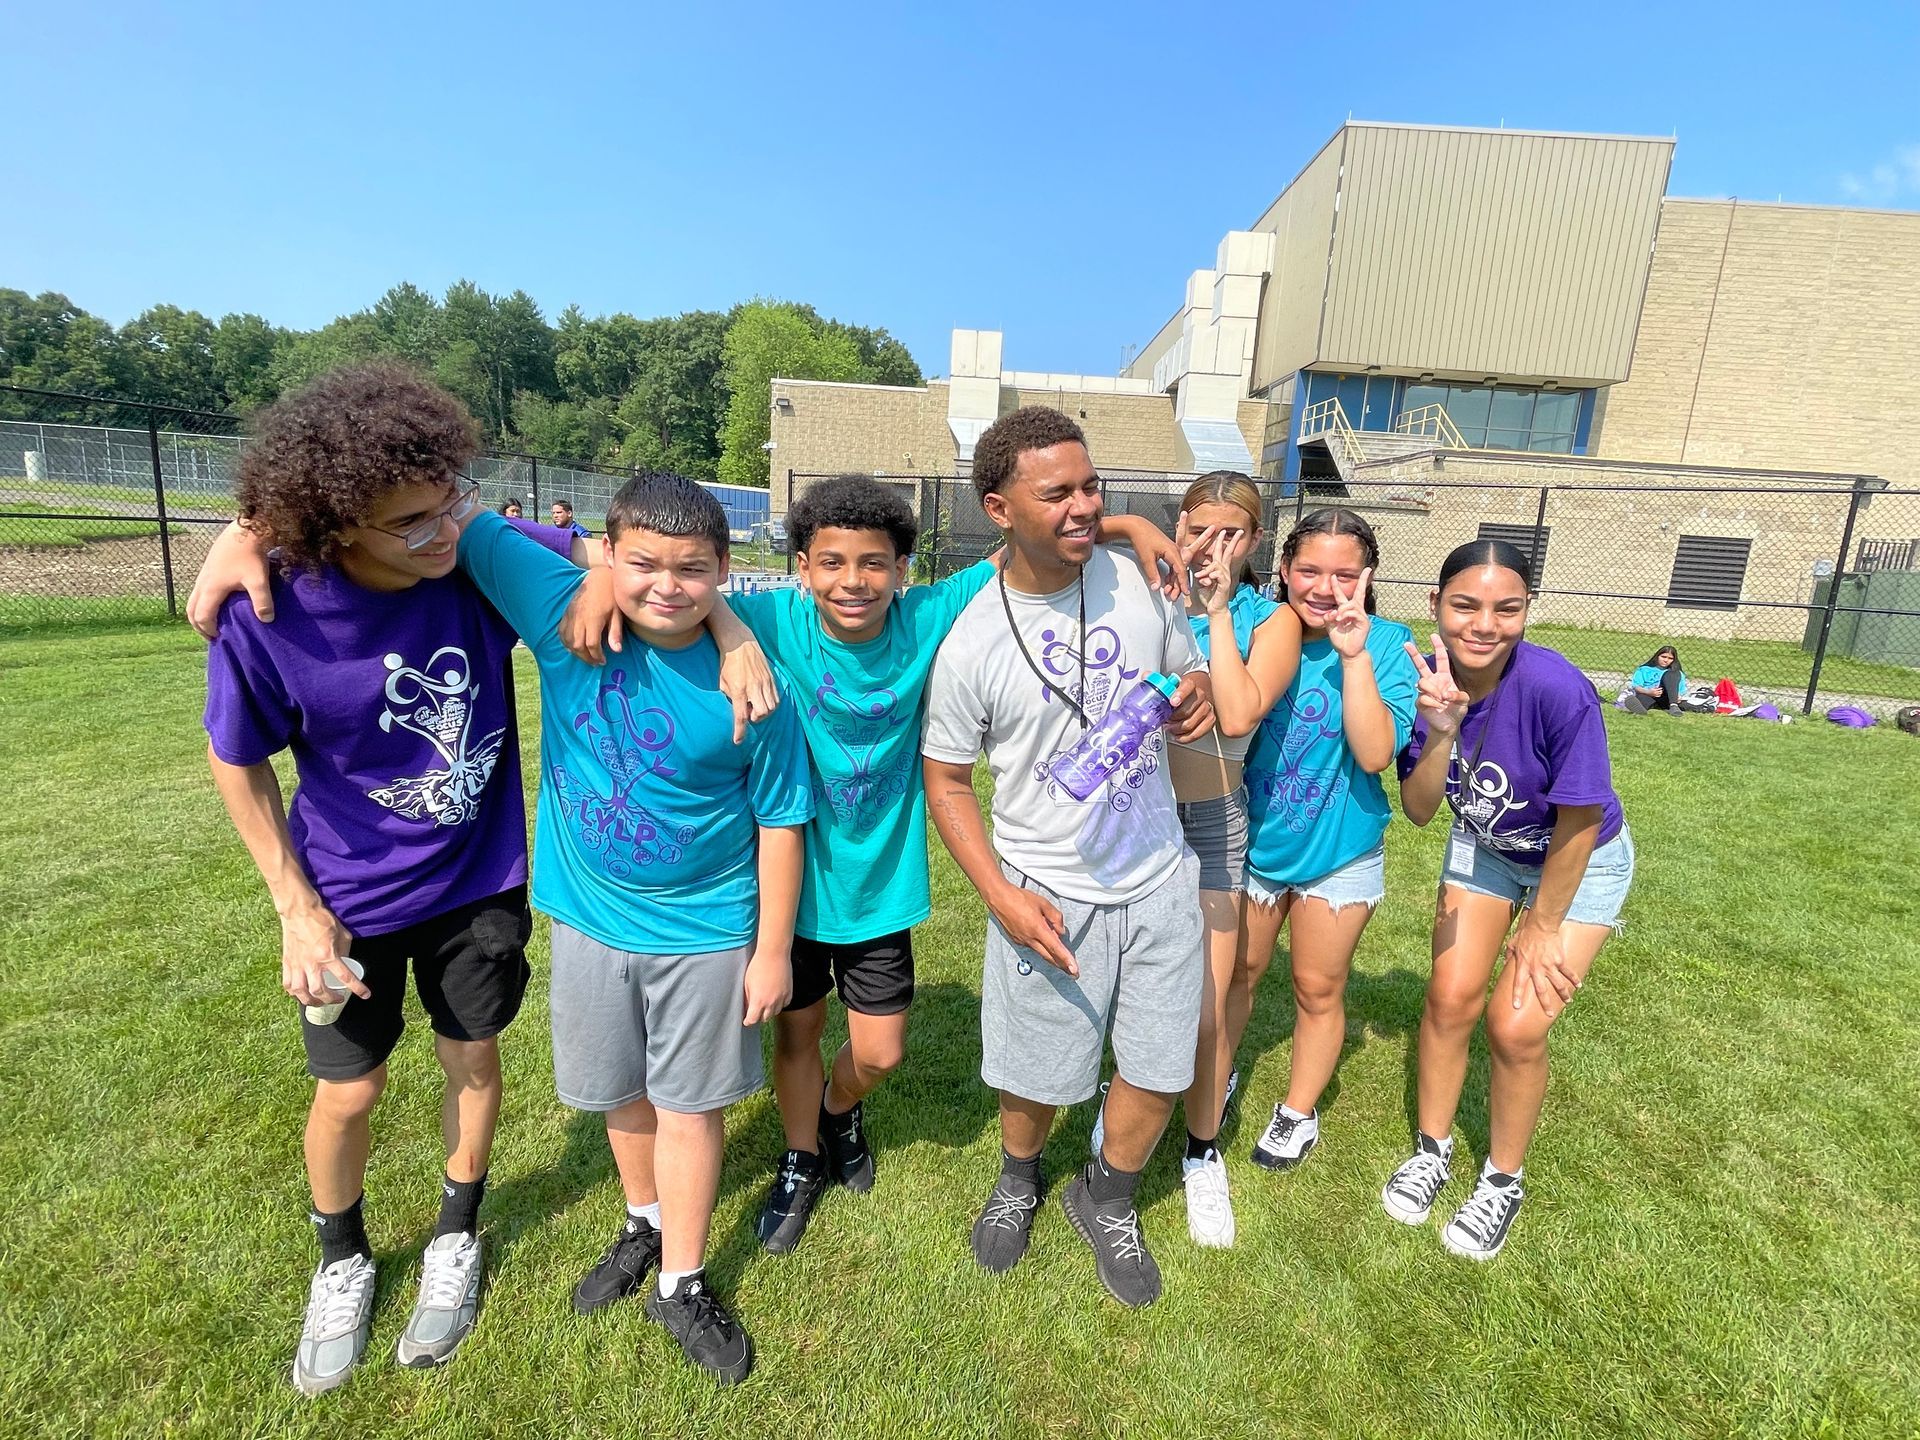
<point>1054,175</point>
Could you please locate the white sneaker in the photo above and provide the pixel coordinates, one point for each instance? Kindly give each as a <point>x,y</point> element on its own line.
<point>449,1297</point>
<point>1209,1207</point>
<point>1410,1192</point>
<point>334,1332</point>
<point>1287,1139</point>
<point>1100,1121</point>
<point>1480,1227</point>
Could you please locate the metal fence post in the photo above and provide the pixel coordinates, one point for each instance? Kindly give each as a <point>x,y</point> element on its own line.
<point>1833,590</point>
<point>534,460</point>
<point>933,545</point>
<point>1536,559</point>
<point>160,509</point>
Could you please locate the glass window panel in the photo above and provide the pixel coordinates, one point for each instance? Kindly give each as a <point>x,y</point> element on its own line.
<point>1419,395</point>
<point>1512,410</point>
<point>1555,411</point>
<point>1556,444</point>
<point>1502,439</point>
<point>1467,404</point>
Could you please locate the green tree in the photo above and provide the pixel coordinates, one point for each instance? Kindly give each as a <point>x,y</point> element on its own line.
<point>560,429</point>
<point>169,357</point>
<point>244,350</point>
<point>769,338</point>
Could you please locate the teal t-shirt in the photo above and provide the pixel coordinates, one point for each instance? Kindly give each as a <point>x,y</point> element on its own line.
<point>1310,807</point>
<point>647,833</point>
<point>1248,609</point>
<point>861,707</point>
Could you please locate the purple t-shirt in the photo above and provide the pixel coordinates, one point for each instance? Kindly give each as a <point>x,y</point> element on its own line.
<point>1536,743</point>
<point>398,707</point>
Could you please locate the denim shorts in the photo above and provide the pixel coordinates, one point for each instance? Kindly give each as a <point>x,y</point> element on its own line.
<point>1603,889</point>
<point>1358,882</point>
<point>1216,831</point>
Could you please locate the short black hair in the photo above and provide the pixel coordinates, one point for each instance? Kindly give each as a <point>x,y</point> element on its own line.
<point>996,454</point>
<point>667,505</point>
<point>852,502</point>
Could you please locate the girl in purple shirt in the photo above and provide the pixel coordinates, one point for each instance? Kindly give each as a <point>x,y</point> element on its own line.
<point>1510,736</point>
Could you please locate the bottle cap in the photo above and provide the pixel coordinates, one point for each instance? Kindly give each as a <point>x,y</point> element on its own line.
<point>1165,684</point>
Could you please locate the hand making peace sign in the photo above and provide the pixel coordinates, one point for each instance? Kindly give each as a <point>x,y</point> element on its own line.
<point>1349,625</point>
<point>1438,698</point>
<point>1204,555</point>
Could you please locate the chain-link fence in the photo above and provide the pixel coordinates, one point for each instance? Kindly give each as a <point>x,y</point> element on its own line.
<point>1802,594</point>
<point>107,507</point>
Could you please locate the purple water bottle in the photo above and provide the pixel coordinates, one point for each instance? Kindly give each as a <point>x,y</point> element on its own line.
<point>1117,738</point>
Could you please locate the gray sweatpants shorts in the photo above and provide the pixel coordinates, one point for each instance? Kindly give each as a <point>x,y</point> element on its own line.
<point>666,1028</point>
<point>1042,1031</point>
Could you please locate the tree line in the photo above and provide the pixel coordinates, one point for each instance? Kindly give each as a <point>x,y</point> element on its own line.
<point>686,393</point>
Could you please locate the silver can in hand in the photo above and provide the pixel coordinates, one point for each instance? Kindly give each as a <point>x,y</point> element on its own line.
<point>327,1014</point>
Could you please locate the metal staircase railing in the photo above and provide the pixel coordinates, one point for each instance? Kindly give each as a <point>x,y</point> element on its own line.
<point>1329,419</point>
<point>1431,422</point>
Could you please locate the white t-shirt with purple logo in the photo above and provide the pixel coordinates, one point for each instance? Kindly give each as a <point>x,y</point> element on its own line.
<point>398,708</point>
<point>1536,743</point>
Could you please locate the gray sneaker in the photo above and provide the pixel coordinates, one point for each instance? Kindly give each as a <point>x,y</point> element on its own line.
<point>449,1295</point>
<point>1005,1225</point>
<point>334,1332</point>
<point>1119,1253</point>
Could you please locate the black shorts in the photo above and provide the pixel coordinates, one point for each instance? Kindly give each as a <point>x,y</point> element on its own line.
<point>874,977</point>
<point>469,965</point>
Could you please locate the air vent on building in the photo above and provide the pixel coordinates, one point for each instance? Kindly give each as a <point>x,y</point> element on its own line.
<point>1708,571</point>
<point>1528,541</point>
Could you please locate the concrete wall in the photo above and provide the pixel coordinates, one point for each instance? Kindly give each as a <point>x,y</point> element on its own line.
<point>1779,336</point>
<point>867,429</point>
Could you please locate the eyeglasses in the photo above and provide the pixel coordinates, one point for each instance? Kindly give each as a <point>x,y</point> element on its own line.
<point>418,537</point>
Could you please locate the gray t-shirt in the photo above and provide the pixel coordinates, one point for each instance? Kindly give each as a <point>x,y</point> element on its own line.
<point>1124,841</point>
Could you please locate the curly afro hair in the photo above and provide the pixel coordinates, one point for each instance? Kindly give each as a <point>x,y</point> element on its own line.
<point>852,502</point>
<point>322,456</point>
<point>997,452</point>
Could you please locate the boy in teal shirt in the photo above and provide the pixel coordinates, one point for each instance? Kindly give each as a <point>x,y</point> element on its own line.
<point>669,858</point>
<point>856,656</point>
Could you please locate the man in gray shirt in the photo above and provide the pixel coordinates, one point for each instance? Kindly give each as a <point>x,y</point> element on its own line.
<point>1095,921</point>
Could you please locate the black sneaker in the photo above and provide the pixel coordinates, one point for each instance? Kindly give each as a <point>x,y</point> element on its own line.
<point>1119,1253</point>
<point>843,1139</point>
<point>1005,1226</point>
<point>622,1270</point>
<point>1480,1227</point>
<point>709,1336</point>
<point>797,1187</point>
<point>1409,1193</point>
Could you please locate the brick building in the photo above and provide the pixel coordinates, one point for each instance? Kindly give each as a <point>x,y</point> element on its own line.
<point>1426,309</point>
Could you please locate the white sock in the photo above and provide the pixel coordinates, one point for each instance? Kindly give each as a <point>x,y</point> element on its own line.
<point>1488,1170</point>
<point>650,1212</point>
<point>1293,1114</point>
<point>670,1281</point>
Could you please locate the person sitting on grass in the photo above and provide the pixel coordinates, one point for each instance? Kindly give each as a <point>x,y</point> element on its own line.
<point>669,858</point>
<point>1095,924</point>
<point>1660,684</point>
<point>386,674</point>
<point>862,654</point>
<point>1510,736</point>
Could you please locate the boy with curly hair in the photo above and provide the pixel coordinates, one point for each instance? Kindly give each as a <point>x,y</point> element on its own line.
<point>387,675</point>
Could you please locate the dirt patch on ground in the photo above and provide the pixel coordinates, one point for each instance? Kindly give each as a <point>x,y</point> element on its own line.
<point>105,567</point>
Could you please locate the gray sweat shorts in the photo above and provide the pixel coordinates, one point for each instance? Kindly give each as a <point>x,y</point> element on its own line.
<point>663,1027</point>
<point>1042,1031</point>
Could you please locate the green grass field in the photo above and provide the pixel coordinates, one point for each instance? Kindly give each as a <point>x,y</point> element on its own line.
<point>1721,1234</point>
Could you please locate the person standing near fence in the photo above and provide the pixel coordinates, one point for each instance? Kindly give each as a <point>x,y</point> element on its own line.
<point>1318,811</point>
<point>387,676</point>
<point>562,511</point>
<point>1510,736</point>
<point>1094,903</point>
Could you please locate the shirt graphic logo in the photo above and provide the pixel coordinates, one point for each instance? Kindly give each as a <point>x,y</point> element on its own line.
<point>607,816</point>
<point>857,790</point>
<point>436,703</point>
<point>1301,798</point>
<point>1485,798</point>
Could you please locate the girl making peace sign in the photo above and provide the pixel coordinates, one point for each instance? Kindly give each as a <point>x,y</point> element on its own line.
<point>1510,736</point>
<point>1316,807</point>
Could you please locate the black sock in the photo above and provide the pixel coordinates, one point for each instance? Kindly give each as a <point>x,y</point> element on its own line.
<point>1198,1149</point>
<point>1018,1169</point>
<point>1104,1183</point>
<point>844,1124</point>
<point>459,1205</point>
<point>808,1162</point>
<point>343,1235</point>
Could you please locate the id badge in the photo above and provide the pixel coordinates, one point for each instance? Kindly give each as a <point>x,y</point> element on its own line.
<point>1460,846</point>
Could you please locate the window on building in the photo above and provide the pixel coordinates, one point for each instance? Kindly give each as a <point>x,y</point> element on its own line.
<point>1528,541</point>
<point>1708,572</point>
<point>1504,417</point>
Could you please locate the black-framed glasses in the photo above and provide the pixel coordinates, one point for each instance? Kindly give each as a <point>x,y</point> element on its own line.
<point>418,537</point>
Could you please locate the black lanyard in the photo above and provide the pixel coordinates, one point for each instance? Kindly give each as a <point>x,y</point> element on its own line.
<point>1486,724</point>
<point>1080,584</point>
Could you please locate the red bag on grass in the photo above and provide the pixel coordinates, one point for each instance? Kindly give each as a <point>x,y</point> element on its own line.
<point>1726,697</point>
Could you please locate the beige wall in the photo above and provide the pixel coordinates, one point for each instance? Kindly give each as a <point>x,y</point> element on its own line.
<point>1301,222</point>
<point>866,429</point>
<point>1777,336</point>
<point>1620,539</point>
<point>1141,366</point>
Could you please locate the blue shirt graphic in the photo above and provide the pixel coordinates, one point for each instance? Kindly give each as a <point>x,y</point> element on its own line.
<point>1310,807</point>
<point>861,707</point>
<point>646,834</point>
